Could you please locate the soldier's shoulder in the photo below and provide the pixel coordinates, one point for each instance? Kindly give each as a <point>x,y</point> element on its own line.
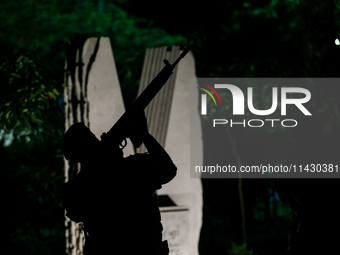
<point>137,156</point>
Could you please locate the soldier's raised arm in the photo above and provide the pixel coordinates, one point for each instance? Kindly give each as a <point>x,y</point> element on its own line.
<point>161,162</point>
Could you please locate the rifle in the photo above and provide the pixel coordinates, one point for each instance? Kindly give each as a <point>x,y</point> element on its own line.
<point>115,135</point>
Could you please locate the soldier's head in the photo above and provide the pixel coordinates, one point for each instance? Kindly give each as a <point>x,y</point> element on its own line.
<point>79,142</point>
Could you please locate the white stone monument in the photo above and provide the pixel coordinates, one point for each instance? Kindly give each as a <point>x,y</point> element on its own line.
<point>169,122</point>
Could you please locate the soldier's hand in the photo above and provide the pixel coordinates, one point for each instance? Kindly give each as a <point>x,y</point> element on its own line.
<point>138,128</point>
<point>103,135</point>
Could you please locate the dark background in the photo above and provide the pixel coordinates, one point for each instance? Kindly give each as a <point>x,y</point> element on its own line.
<point>287,38</point>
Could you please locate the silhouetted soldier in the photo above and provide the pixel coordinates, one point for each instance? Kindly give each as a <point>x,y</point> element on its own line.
<point>113,195</point>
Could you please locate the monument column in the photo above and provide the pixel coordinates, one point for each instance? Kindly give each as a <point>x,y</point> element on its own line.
<point>169,122</point>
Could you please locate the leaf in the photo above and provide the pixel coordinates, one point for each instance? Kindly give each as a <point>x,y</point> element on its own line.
<point>16,75</point>
<point>55,91</point>
<point>7,115</point>
<point>51,94</point>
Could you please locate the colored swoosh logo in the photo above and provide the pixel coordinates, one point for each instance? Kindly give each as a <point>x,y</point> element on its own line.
<point>213,90</point>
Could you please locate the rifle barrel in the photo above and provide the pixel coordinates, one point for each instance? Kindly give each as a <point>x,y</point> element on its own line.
<point>144,98</point>
<point>180,57</point>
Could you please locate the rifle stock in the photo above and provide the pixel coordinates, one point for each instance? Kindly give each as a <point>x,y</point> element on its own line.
<point>116,134</point>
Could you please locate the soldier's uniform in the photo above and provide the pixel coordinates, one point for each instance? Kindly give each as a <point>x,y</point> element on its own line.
<point>113,197</point>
